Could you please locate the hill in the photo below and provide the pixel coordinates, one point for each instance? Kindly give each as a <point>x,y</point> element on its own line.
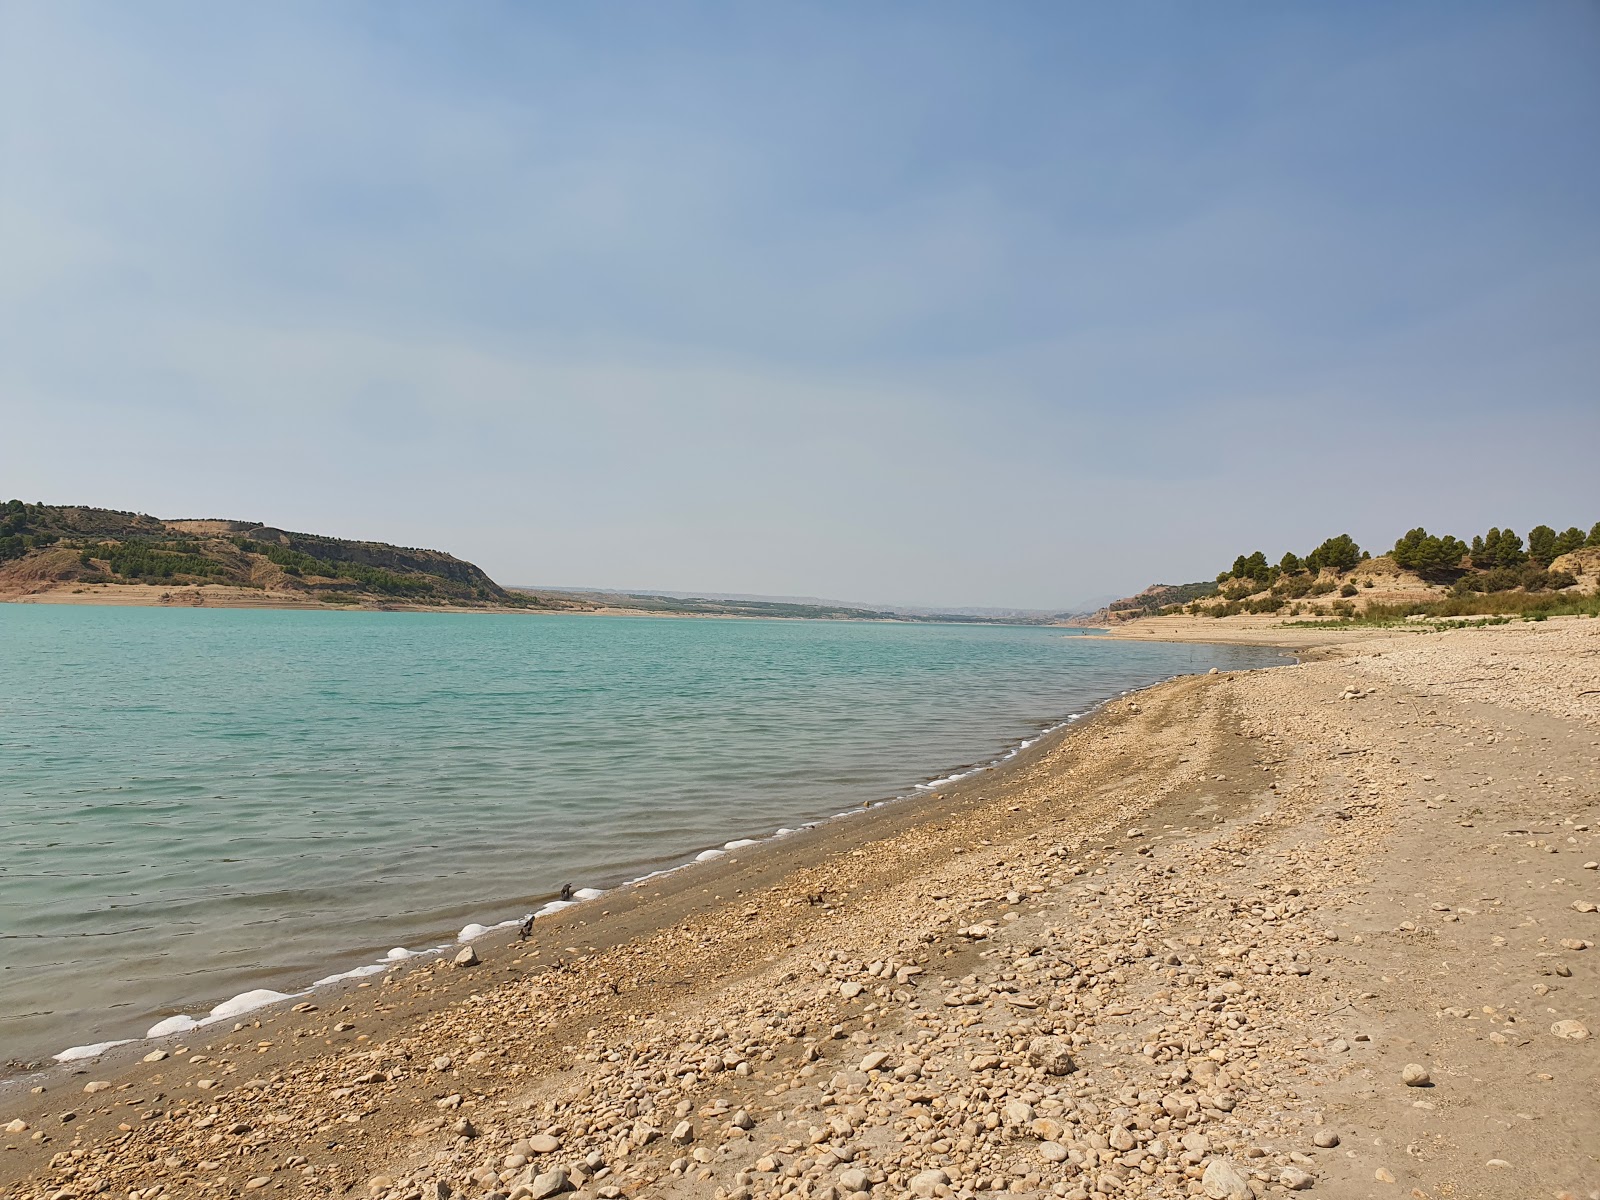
<point>1493,576</point>
<point>71,552</point>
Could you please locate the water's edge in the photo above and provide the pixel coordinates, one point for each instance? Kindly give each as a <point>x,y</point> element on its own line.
<point>235,1007</point>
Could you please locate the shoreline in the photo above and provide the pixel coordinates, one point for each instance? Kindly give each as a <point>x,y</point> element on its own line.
<point>266,993</point>
<point>1258,837</point>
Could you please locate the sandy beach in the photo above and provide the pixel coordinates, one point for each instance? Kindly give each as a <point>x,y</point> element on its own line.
<point>1328,927</point>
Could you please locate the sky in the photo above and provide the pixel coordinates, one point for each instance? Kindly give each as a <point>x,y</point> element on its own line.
<point>1009,304</point>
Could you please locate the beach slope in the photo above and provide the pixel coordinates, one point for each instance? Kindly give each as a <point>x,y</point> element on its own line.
<point>1328,927</point>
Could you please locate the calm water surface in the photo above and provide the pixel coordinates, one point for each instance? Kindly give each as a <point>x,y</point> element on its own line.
<point>196,802</point>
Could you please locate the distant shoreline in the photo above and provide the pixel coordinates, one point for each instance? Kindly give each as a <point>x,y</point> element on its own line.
<point>139,595</point>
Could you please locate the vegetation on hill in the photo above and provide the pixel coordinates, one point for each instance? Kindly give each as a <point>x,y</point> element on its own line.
<point>58,544</point>
<point>1493,572</point>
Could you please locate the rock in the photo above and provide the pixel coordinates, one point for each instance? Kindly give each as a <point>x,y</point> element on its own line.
<point>543,1143</point>
<point>1018,1112</point>
<point>442,1063</point>
<point>1121,1138</point>
<point>1585,906</point>
<point>98,1085</point>
<point>436,1189</point>
<point>874,1061</point>
<point>1327,1139</point>
<point>1053,1152</point>
<point>742,1120</point>
<point>850,989</point>
<point>464,1128</point>
<point>1224,1181</point>
<point>260,1181</point>
<point>854,1180</point>
<point>1296,1179</point>
<point>1050,1055</point>
<point>551,1183</point>
<point>1415,1075</point>
<point>1571,1030</point>
<point>17,1126</point>
<point>683,1133</point>
<point>928,1183</point>
<point>155,1056</point>
<point>1383,1175</point>
<point>468,957</point>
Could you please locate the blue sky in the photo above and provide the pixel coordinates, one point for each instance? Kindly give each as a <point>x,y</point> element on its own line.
<point>1000,304</point>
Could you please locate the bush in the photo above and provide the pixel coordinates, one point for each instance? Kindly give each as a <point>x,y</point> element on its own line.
<point>1348,589</point>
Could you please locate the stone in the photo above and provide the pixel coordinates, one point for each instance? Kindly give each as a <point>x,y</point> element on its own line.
<point>1327,1139</point>
<point>1571,1030</point>
<point>1415,1075</point>
<point>468,957</point>
<point>742,1120</point>
<point>543,1143</point>
<point>854,1180</point>
<point>1296,1179</point>
<point>1050,1055</point>
<point>874,1061</point>
<point>1053,1152</point>
<point>850,989</point>
<point>928,1183</point>
<point>259,1182</point>
<point>1224,1181</point>
<point>551,1183</point>
<point>98,1085</point>
<point>683,1133</point>
<point>17,1126</point>
<point>1018,1112</point>
<point>154,1056</point>
<point>1120,1138</point>
<point>442,1063</point>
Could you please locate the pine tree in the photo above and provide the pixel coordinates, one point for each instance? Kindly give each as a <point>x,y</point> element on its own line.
<point>1568,541</point>
<point>1542,544</point>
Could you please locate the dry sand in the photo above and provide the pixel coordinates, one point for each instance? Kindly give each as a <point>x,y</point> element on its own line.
<point>1193,947</point>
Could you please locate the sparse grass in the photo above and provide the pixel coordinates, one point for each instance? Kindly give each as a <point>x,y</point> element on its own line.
<point>1454,612</point>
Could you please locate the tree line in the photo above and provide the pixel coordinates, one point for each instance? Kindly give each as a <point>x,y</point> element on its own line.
<point>1500,555</point>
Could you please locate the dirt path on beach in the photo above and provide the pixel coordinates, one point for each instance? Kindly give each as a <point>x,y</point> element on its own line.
<point>1191,948</point>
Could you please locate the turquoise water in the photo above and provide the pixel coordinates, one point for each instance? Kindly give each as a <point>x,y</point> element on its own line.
<point>199,802</point>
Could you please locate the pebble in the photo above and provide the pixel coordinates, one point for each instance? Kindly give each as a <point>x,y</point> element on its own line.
<point>683,1133</point>
<point>1383,1175</point>
<point>1574,1031</point>
<point>98,1085</point>
<point>1415,1075</point>
<point>550,1183</point>
<point>1296,1179</point>
<point>1327,1139</point>
<point>468,957</point>
<point>543,1143</point>
<point>17,1126</point>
